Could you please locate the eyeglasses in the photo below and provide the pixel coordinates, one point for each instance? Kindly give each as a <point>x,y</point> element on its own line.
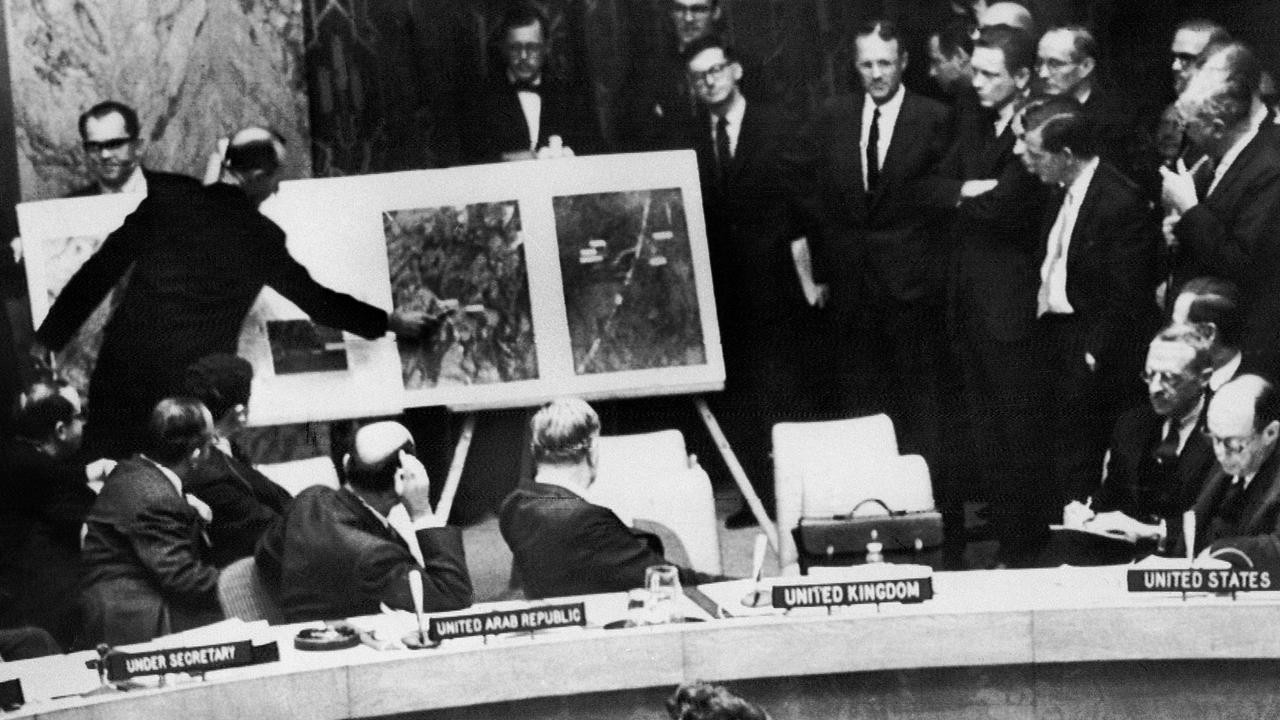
<point>93,147</point>
<point>710,74</point>
<point>1167,380</point>
<point>1233,445</point>
<point>691,10</point>
<point>1184,59</point>
<point>1054,64</point>
<point>516,49</point>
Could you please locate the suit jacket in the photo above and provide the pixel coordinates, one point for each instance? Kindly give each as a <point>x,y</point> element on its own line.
<point>43,503</point>
<point>1115,122</point>
<point>244,503</point>
<point>888,240</point>
<point>1234,234</point>
<point>147,569</point>
<point>332,557</point>
<point>1111,264</point>
<point>1134,484</point>
<point>994,276</point>
<point>751,220</point>
<point>564,545</point>
<point>1256,530</point>
<point>495,123</point>
<point>200,256</point>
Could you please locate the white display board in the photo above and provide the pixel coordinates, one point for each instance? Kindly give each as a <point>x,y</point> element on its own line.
<point>584,276</point>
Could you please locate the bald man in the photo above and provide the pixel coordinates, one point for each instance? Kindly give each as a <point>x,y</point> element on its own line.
<point>199,256</point>
<point>335,555</point>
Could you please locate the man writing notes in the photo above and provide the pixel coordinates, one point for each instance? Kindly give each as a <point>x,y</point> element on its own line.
<point>335,554</point>
<point>199,256</point>
<point>563,543</point>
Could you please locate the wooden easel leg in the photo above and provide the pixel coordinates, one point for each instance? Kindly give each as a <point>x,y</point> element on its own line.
<point>455,468</point>
<point>739,475</point>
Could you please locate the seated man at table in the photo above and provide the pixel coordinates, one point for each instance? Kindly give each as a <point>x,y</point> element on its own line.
<point>1238,511</point>
<point>1158,461</point>
<point>564,544</point>
<point>244,501</point>
<point>145,552</point>
<point>334,554</point>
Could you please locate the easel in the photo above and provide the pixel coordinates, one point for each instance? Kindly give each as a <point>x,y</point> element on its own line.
<point>463,446</point>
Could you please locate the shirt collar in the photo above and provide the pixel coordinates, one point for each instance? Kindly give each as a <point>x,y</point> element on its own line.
<point>1080,185</point>
<point>381,518</point>
<point>170,475</point>
<point>1256,115</point>
<point>137,183</point>
<point>737,109</point>
<point>1224,373</point>
<point>891,106</point>
<point>1004,116</point>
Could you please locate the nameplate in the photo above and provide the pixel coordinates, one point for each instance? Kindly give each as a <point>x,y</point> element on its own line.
<point>1200,580</point>
<point>541,617</point>
<point>193,660</point>
<point>907,590</point>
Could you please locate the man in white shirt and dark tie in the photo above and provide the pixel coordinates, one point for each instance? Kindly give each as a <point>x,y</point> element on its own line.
<point>1094,305</point>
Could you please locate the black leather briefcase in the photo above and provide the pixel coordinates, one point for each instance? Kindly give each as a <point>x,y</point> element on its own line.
<point>842,539</point>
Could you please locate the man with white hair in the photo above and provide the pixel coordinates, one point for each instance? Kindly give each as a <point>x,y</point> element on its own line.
<point>335,554</point>
<point>200,256</point>
<point>563,543</point>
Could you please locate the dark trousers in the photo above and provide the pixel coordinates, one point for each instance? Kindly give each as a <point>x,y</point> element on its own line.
<point>1005,395</point>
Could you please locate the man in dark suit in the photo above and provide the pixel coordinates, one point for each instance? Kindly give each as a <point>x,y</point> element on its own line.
<point>950,52</point>
<point>1095,301</point>
<point>244,501</point>
<point>564,544</point>
<point>1238,511</point>
<point>747,158</point>
<point>519,113</point>
<point>992,295</point>
<point>110,135</point>
<point>1159,462</point>
<point>145,553</point>
<point>199,256</point>
<point>44,498</point>
<point>336,555</point>
<point>1067,63</point>
<point>883,252</point>
<point>1233,233</point>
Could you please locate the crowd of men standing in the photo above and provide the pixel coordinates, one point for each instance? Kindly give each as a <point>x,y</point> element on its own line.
<point>1003,274</point>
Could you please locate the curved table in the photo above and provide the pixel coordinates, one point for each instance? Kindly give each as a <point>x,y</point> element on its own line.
<point>1014,643</point>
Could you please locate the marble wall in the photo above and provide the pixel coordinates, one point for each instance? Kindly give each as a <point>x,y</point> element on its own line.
<point>194,69</point>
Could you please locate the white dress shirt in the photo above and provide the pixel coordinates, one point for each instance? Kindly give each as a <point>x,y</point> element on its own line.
<point>1224,373</point>
<point>888,118</point>
<point>733,124</point>
<point>531,106</point>
<point>1053,272</point>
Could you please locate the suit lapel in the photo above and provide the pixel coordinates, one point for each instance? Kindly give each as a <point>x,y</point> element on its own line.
<point>854,139</point>
<point>1081,232</point>
<point>748,142</point>
<point>1240,169</point>
<point>1261,505</point>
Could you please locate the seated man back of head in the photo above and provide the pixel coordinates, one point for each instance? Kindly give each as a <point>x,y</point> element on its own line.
<point>334,554</point>
<point>564,544</point>
<point>244,501</point>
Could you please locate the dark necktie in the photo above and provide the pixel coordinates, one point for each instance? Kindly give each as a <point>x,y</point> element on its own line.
<point>722,148</point>
<point>873,151</point>
<point>1166,453</point>
<point>1232,503</point>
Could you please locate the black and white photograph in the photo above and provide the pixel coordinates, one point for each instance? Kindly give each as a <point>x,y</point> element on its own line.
<point>628,280</point>
<point>301,346</point>
<point>464,267</point>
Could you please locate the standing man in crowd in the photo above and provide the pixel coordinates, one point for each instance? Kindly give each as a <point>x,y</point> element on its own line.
<point>518,114</point>
<point>146,552</point>
<point>1095,300</point>
<point>747,156</point>
<point>950,53</point>
<point>1233,232</point>
<point>1067,65</point>
<point>883,252</point>
<point>111,136</point>
<point>199,256</point>
<point>335,554</point>
<point>992,296</point>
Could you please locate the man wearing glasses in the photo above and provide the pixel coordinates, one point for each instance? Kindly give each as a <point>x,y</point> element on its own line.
<point>110,135</point>
<point>523,112</point>
<point>1066,65</point>
<point>1238,510</point>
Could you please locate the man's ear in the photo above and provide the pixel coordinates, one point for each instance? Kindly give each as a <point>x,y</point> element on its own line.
<point>905,58</point>
<point>1088,64</point>
<point>346,464</point>
<point>1022,78</point>
<point>1271,431</point>
<point>60,430</point>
